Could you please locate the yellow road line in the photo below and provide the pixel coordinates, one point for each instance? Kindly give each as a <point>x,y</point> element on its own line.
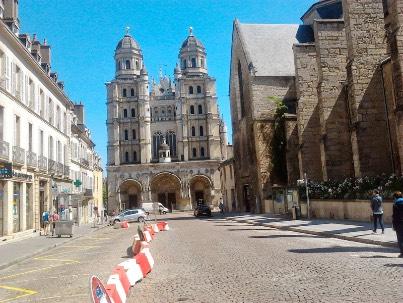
<point>90,246</point>
<point>57,297</point>
<point>34,270</point>
<point>26,292</point>
<point>55,259</point>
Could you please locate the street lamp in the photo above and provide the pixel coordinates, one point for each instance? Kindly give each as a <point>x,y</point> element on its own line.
<point>305,182</point>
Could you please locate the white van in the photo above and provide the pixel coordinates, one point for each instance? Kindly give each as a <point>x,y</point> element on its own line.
<point>149,208</point>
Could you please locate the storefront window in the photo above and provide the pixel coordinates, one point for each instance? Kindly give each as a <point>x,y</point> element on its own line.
<point>29,208</point>
<point>1,208</point>
<point>16,207</point>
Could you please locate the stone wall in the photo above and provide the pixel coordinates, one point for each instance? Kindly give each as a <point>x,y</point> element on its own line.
<point>364,21</point>
<point>291,131</point>
<point>331,54</point>
<point>307,110</point>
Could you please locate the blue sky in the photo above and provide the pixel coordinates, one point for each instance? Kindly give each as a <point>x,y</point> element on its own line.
<point>84,33</point>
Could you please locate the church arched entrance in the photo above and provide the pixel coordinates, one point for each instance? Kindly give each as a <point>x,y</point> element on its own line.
<point>130,194</point>
<point>200,190</point>
<point>165,188</point>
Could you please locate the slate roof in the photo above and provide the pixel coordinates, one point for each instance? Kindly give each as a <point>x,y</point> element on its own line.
<point>269,47</point>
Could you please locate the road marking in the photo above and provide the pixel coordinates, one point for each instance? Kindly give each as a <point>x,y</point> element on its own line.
<point>90,246</point>
<point>57,297</point>
<point>25,293</point>
<point>31,271</point>
<point>45,258</point>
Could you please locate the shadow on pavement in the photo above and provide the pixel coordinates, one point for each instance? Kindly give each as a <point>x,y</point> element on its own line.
<point>242,229</point>
<point>336,249</point>
<point>393,265</point>
<point>284,236</point>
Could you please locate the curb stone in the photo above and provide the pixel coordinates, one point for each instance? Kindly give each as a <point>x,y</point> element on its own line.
<point>41,250</point>
<point>326,234</point>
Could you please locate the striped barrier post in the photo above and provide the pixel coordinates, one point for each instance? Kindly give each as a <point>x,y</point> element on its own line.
<point>118,293</point>
<point>142,260</point>
<point>133,271</point>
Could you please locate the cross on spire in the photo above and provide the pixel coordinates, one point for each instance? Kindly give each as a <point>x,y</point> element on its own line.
<point>127,30</point>
<point>190,31</point>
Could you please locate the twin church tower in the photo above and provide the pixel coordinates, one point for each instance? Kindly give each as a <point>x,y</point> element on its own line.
<point>165,139</point>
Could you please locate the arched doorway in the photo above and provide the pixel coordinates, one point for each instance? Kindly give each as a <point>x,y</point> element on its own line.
<point>165,188</point>
<point>200,189</point>
<point>130,194</point>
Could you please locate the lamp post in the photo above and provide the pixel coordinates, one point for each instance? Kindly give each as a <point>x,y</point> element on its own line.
<point>305,182</point>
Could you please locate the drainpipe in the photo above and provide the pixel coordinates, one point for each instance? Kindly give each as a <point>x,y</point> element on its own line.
<point>387,116</point>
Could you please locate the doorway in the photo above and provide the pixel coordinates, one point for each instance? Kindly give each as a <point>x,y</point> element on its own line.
<point>133,203</point>
<point>172,200</point>
<point>199,195</point>
<point>246,197</point>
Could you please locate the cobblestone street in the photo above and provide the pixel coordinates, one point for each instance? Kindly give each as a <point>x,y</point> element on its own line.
<point>215,260</point>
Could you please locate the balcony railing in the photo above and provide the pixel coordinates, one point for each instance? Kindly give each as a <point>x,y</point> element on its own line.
<point>18,155</point>
<point>51,166</point>
<point>32,159</point>
<point>43,163</point>
<point>67,171</point>
<point>59,169</point>
<point>88,192</point>
<point>84,162</point>
<point>4,150</point>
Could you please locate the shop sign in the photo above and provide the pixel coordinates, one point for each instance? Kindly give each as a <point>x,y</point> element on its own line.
<point>21,175</point>
<point>6,170</point>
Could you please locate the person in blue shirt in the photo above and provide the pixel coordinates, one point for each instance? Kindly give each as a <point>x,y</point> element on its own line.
<point>397,219</point>
<point>45,222</point>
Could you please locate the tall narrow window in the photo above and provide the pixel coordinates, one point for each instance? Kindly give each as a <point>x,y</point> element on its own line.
<point>157,139</point>
<point>201,131</point>
<point>127,64</point>
<point>1,123</point>
<point>194,152</point>
<point>125,113</point>
<point>124,92</point>
<point>184,64</point>
<point>50,148</point>
<point>134,156</point>
<point>133,113</point>
<point>17,131</point>
<point>58,117</point>
<point>190,90</point>
<point>193,62</point>
<point>199,89</point>
<point>50,111</point>
<point>126,134</point>
<point>200,109</point>
<point>192,110</point>
<point>127,157</point>
<point>193,131</point>
<point>240,83</point>
<point>202,152</point>
<point>29,136</point>
<point>65,123</point>
<point>41,142</point>
<point>132,92</point>
<point>42,104</point>
<point>134,134</point>
<point>171,140</point>
<point>202,62</point>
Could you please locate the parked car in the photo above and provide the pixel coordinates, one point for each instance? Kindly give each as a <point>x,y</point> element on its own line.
<point>202,209</point>
<point>131,215</point>
<point>149,208</point>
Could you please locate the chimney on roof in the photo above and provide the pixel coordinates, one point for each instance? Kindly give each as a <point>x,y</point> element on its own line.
<point>53,76</point>
<point>10,15</point>
<point>45,53</point>
<point>60,84</point>
<point>79,112</point>
<point>26,40</point>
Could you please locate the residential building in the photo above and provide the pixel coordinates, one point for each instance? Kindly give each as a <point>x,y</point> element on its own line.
<point>165,145</point>
<point>227,180</point>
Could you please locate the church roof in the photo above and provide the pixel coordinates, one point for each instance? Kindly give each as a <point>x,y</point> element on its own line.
<point>127,42</point>
<point>191,41</point>
<point>268,47</point>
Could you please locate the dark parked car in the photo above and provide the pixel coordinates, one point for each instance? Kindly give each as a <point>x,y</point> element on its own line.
<point>201,210</point>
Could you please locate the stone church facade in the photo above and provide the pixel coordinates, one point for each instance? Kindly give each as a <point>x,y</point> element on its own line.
<point>166,142</point>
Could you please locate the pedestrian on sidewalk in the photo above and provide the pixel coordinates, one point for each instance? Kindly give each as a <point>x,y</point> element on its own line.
<point>221,206</point>
<point>397,219</point>
<point>45,222</point>
<point>377,210</point>
<point>55,217</point>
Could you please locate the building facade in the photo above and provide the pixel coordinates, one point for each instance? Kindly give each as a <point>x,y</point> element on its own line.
<point>228,181</point>
<point>35,130</point>
<point>165,143</point>
<point>262,75</point>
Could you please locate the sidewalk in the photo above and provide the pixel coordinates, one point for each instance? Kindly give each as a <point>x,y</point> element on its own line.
<point>346,230</point>
<point>17,251</point>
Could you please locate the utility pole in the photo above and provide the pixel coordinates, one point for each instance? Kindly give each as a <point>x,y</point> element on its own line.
<point>307,196</point>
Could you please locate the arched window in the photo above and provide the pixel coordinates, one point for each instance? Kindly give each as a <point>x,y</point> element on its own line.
<point>125,113</point>
<point>192,110</point>
<point>134,134</point>
<point>132,92</point>
<point>127,157</point>
<point>137,64</point>
<point>127,64</point>
<point>199,109</point>
<point>157,139</point>
<point>117,65</point>
<point>202,62</point>
<point>201,131</point>
<point>171,141</point>
<point>126,134</point>
<point>133,112</point>
<point>193,62</point>
<point>199,89</point>
<point>194,152</point>
<point>134,156</point>
<point>124,92</point>
<point>193,131</point>
<point>202,152</point>
<point>184,64</point>
<point>190,90</point>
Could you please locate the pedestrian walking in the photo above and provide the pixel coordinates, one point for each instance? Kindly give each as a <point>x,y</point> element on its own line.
<point>377,210</point>
<point>45,222</point>
<point>105,215</point>
<point>397,219</point>
<point>221,206</point>
<point>54,218</point>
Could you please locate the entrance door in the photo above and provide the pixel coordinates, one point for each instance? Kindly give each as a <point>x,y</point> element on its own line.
<point>199,195</point>
<point>1,207</point>
<point>172,201</point>
<point>132,201</point>
<point>162,199</point>
<point>246,197</point>
<point>16,207</point>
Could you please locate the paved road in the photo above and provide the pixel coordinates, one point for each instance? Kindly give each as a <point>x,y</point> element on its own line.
<point>214,260</point>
